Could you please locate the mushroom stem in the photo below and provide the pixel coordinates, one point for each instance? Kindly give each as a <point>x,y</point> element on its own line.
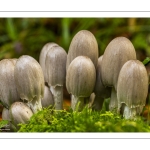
<point>129,113</point>
<point>35,105</point>
<point>57,93</point>
<point>113,105</point>
<point>77,103</point>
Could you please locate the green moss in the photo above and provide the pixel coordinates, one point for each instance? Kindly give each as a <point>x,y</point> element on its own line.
<point>49,120</point>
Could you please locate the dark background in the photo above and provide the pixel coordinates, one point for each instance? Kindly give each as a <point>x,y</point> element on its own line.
<point>27,36</point>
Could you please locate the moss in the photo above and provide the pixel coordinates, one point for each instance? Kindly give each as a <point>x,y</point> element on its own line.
<point>49,120</point>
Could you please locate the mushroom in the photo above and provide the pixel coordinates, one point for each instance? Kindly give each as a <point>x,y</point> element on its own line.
<point>8,89</point>
<point>101,92</point>
<point>47,100</point>
<point>20,113</point>
<point>43,54</point>
<point>83,44</point>
<point>132,88</point>
<point>6,116</point>
<point>29,81</point>
<point>80,81</point>
<point>55,64</point>
<point>118,51</point>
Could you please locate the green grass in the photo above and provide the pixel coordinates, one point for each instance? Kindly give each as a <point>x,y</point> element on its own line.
<point>49,120</point>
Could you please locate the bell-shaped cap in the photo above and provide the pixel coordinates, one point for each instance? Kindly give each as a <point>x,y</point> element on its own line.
<point>81,76</point>
<point>29,78</point>
<point>55,65</point>
<point>43,54</point>
<point>132,88</point>
<point>20,113</point>
<point>8,89</point>
<point>118,51</point>
<point>83,44</point>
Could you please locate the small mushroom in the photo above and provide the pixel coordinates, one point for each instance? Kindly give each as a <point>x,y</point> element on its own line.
<point>55,64</point>
<point>101,92</point>
<point>47,100</point>
<point>6,116</point>
<point>29,81</point>
<point>132,88</point>
<point>8,89</point>
<point>83,44</point>
<point>116,54</point>
<point>20,113</point>
<point>43,54</point>
<point>80,81</point>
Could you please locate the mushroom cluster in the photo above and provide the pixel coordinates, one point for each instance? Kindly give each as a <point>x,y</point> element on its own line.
<point>53,62</point>
<point>126,75</point>
<point>21,89</point>
<point>26,85</point>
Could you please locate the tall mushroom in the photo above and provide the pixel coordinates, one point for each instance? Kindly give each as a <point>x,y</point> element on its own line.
<point>80,80</point>
<point>132,88</point>
<point>8,89</point>
<point>118,51</point>
<point>55,72</point>
<point>43,54</point>
<point>83,44</point>
<point>101,92</point>
<point>29,81</point>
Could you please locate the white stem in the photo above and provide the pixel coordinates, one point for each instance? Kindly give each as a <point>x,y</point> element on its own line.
<point>113,105</point>
<point>35,105</point>
<point>57,92</point>
<point>77,103</point>
<point>129,113</point>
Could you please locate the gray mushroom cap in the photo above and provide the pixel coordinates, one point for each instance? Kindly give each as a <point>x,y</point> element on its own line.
<point>29,78</point>
<point>47,100</point>
<point>55,65</point>
<point>100,90</point>
<point>20,113</point>
<point>6,116</point>
<point>81,76</point>
<point>132,88</point>
<point>8,89</point>
<point>43,54</point>
<point>83,44</point>
<point>118,51</point>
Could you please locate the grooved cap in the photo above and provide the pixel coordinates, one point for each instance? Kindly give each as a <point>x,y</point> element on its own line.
<point>83,44</point>
<point>29,78</point>
<point>118,51</point>
<point>8,89</point>
<point>81,76</point>
<point>132,88</point>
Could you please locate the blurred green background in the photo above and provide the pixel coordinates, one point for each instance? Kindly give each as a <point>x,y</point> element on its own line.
<point>27,36</point>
